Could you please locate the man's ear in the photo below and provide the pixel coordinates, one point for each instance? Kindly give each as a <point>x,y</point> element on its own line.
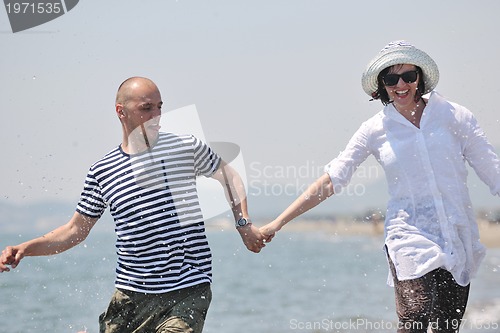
<point>119,110</point>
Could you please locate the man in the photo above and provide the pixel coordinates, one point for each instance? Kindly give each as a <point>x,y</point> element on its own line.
<point>163,273</point>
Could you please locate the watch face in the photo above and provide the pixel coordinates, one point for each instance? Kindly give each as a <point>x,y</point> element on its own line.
<point>242,222</point>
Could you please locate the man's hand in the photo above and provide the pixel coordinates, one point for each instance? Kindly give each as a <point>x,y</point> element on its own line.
<point>11,255</point>
<point>252,238</point>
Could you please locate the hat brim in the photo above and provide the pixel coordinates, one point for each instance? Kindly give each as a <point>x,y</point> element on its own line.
<point>396,56</point>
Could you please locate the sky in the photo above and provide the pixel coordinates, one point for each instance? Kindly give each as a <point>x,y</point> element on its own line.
<point>281,79</point>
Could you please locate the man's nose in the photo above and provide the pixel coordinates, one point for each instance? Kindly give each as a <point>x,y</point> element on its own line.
<point>156,113</point>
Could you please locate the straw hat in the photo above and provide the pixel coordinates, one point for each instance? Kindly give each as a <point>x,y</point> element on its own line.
<point>400,52</point>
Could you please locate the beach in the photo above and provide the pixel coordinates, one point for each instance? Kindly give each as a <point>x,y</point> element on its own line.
<point>317,275</point>
<point>489,231</point>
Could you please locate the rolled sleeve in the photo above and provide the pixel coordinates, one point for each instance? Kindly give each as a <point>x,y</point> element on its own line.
<point>342,168</point>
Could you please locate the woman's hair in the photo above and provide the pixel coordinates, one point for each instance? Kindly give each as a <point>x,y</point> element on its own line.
<point>381,93</point>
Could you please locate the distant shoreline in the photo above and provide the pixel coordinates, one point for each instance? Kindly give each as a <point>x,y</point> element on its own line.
<point>489,232</point>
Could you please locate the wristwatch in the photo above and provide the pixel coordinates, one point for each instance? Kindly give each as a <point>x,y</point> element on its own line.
<point>242,222</point>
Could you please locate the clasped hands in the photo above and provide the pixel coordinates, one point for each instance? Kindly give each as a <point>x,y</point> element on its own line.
<point>254,238</point>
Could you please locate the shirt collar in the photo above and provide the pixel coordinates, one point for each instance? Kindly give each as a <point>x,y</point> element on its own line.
<point>434,99</point>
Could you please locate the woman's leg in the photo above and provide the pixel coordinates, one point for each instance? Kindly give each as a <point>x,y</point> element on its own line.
<point>414,301</point>
<point>435,299</point>
<point>450,304</point>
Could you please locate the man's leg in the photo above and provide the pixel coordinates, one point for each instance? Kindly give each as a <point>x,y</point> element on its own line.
<point>119,315</point>
<point>189,312</point>
<point>180,311</point>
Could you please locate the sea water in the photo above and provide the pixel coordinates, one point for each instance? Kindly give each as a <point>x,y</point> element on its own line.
<point>301,282</point>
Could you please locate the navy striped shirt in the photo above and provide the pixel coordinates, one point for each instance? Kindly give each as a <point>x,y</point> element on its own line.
<point>161,242</point>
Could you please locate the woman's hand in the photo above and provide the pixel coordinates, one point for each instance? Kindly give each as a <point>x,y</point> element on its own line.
<point>269,230</point>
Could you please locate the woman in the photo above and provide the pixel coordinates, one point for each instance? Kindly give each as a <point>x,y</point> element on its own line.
<point>431,236</point>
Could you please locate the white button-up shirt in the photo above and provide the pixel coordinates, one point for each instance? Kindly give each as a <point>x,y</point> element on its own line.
<point>430,222</point>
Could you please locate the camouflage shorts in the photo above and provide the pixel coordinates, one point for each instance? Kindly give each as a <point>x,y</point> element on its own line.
<point>179,311</point>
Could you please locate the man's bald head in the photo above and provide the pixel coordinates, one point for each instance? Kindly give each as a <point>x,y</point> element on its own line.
<point>127,89</point>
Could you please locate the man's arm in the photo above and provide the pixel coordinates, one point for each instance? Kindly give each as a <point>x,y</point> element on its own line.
<point>236,197</point>
<point>56,241</point>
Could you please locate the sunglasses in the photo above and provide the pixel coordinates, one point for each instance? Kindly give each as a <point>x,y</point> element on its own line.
<point>393,79</point>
